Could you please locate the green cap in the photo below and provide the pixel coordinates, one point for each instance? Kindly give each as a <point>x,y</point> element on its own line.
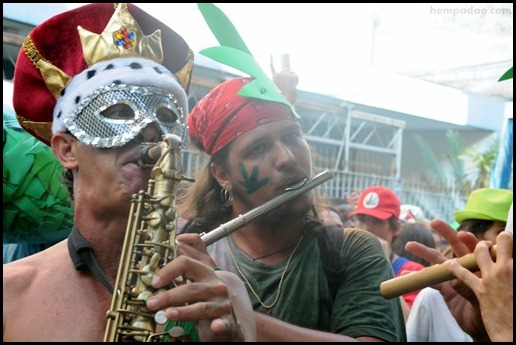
<point>486,204</point>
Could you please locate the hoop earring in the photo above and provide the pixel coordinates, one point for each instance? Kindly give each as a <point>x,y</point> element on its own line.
<point>226,198</point>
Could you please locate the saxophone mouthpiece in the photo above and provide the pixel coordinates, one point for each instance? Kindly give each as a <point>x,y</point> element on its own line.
<point>149,155</point>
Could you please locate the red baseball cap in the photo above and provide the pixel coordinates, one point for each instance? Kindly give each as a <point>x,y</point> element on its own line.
<point>379,202</point>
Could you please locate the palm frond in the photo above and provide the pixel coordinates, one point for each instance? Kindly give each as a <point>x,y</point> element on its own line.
<point>455,149</point>
<point>429,159</point>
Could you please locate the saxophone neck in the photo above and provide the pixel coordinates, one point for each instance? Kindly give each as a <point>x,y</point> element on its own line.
<point>151,153</point>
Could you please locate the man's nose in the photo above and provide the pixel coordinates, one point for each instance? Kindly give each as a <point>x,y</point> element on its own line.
<point>151,133</point>
<point>284,155</point>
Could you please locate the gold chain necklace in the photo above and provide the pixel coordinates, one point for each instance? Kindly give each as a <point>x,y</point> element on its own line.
<point>281,279</point>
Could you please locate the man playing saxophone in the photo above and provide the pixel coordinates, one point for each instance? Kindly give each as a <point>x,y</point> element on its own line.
<point>95,83</point>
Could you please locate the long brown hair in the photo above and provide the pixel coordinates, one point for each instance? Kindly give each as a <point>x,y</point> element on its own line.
<point>200,200</point>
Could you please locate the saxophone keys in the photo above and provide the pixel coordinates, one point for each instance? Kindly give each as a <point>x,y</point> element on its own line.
<point>160,317</point>
<point>176,332</point>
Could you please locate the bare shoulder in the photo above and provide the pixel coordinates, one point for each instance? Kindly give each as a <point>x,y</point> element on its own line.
<point>31,285</point>
<point>20,275</point>
<point>18,279</point>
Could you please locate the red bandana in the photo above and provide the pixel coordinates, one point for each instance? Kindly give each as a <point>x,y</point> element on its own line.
<point>222,116</point>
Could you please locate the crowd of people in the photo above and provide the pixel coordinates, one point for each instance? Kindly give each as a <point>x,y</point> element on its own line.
<point>108,86</point>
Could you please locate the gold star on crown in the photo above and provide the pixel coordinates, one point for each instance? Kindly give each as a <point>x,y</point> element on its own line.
<point>122,37</point>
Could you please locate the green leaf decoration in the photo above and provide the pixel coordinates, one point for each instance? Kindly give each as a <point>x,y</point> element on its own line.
<point>507,75</point>
<point>234,52</point>
<point>223,29</point>
<point>37,207</point>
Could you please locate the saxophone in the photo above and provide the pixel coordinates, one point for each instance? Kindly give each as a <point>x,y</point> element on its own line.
<point>149,244</point>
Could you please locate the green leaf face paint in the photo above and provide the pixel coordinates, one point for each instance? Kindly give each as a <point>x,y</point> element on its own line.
<point>251,182</point>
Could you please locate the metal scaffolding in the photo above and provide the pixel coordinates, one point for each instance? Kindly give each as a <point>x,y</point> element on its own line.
<point>349,140</point>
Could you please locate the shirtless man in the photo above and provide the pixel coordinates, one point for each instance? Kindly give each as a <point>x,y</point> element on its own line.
<point>95,99</point>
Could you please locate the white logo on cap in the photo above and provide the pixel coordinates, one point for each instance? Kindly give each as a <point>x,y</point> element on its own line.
<point>371,200</point>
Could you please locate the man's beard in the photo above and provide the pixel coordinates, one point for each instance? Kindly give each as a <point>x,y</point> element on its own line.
<point>281,215</point>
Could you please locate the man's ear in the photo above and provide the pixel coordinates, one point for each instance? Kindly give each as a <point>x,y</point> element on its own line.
<point>220,175</point>
<point>397,231</point>
<point>65,149</point>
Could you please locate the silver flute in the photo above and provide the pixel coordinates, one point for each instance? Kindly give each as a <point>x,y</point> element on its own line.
<point>244,219</point>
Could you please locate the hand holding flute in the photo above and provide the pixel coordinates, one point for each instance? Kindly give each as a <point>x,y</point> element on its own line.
<point>242,220</point>
<point>494,289</point>
<point>438,273</point>
<point>481,302</point>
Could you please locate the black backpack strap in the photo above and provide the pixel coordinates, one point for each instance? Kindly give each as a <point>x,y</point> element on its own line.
<point>185,228</point>
<point>191,226</point>
<point>330,240</point>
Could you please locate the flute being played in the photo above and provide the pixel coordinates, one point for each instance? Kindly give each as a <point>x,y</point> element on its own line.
<point>428,276</point>
<point>243,219</point>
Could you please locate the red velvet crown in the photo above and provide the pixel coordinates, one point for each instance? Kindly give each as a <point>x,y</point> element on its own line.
<point>55,45</point>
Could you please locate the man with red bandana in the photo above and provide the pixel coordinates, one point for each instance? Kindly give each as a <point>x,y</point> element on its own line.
<point>306,281</point>
<point>258,150</point>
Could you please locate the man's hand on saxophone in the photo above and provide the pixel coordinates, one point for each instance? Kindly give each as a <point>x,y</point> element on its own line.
<point>210,299</point>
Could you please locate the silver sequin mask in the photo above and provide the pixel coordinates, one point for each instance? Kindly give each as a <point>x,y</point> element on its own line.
<point>113,115</point>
